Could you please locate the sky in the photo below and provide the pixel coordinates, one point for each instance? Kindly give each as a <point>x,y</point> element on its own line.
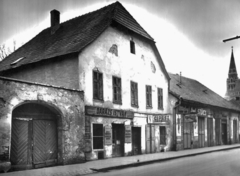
<point>188,33</point>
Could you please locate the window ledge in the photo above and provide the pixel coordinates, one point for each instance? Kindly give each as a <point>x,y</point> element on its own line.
<point>97,100</point>
<point>149,107</point>
<point>119,103</point>
<point>134,106</point>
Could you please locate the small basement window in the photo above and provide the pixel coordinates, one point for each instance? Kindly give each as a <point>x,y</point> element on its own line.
<point>132,47</point>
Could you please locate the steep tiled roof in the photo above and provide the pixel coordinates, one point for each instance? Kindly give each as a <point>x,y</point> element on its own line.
<point>192,90</point>
<point>72,36</point>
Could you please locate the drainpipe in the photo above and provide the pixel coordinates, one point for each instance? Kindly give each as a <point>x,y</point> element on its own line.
<point>177,104</point>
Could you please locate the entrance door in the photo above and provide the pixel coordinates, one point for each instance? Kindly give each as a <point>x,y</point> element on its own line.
<point>34,137</point>
<point>234,131</point>
<point>201,129</point>
<point>210,131</point>
<point>224,132</point>
<point>150,131</point>
<point>187,135</point>
<point>218,131</point>
<point>44,143</point>
<point>118,139</point>
<point>136,140</point>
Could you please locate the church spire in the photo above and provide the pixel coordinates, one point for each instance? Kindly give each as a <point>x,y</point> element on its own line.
<point>232,67</point>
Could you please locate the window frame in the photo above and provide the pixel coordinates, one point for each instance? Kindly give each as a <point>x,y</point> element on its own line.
<point>134,93</point>
<point>132,47</point>
<point>160,98</point>
<point>118,90</point>
<point>148,96</point>
<point>93,136</point>
<point>99,86</point>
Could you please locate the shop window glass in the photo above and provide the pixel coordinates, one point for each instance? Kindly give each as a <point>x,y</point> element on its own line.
<point>97,136</point>
<point>162,135</point>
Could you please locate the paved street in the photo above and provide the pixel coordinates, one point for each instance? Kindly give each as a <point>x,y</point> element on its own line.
<point>223,163</point>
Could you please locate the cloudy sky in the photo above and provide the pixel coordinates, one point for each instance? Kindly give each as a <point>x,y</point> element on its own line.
<point>188,33</point>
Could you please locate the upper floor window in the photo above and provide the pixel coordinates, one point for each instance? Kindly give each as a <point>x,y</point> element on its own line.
<point>149,96</point>
<point>134,94</point>
<point>97,85</point>
<point>132,47</point>
<point>117,92</point>
<point>160,98</point>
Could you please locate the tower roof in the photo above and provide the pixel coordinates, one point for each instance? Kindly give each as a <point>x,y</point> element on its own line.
<point>232,62</point>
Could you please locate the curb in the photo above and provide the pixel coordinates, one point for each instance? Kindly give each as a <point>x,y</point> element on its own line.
<point>106,169</point>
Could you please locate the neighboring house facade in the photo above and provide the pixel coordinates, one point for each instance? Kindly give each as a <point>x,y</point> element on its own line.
<point>114,61</point>
<point>201,117</point>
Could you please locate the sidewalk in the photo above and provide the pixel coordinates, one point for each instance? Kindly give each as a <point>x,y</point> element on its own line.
<point>115,163</point>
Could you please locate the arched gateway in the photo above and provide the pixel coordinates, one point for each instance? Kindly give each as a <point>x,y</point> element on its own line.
<point>34,139</point>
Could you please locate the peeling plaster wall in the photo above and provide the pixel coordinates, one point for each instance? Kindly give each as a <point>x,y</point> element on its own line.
<point>127,66</point>
<point>68,103</point>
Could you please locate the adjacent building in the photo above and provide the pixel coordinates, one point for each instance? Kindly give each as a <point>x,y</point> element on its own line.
<point>201,117</point>
<point>95,85</point>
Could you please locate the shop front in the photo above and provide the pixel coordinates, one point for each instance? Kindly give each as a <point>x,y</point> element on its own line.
<point>110,133</point>
<point>158,133</point>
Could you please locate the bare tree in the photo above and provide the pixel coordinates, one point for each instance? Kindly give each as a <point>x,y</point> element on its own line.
<point>5,51</point>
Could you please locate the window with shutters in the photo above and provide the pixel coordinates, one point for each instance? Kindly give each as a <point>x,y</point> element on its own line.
<point>97,85</point>
<point>162,135</point>
<point>97,136</point>
<point>160,98</point>
<point>134,94</point>
<point>117,92</point>
<point>149,96</point>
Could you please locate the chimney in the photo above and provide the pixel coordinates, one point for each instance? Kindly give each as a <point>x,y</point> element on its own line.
<point>55,21</point>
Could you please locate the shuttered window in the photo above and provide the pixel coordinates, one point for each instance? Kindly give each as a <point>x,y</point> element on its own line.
<point>97,136</point>
<point>117,92</point>
<point>162,135</point>
<point>134,94</point>
<point>97,85</point>
<point>160,98</point>
<point>149,96</point>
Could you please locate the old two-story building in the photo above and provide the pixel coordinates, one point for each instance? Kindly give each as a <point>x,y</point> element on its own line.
<point>107,55</point>
<point>201,117</point>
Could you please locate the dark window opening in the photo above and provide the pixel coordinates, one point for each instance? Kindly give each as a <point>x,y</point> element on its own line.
<point>97,85</point>
<point>160,98</point>
<point>132,47</point>
<point>162,135</point>
<point>97,136</point>
<point>117,92</point>
<point>134,94</point>
<point>149,96</point>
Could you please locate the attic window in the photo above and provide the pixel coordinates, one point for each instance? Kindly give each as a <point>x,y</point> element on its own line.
<point>18,60</point>
<point>132,47</point>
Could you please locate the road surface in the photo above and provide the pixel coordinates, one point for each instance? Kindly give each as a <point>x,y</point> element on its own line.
<point>224,163</point>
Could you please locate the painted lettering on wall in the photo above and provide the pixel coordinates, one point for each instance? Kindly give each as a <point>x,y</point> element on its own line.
<point>178,124</point>
<point>128,134</point>
<point>202,112</point>
<point>161,118</point>
<point>108,135</point>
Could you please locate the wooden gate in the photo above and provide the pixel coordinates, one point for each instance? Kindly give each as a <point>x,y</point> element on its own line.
<point>210,132</point>
<point>150,132</point>
<point>201,129</point>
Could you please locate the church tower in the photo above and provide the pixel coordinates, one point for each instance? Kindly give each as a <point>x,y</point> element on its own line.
<point>232,79</point>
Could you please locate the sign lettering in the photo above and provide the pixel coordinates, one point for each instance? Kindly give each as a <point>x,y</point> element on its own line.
<point>108,135</point>
<point>162,118</point>
<point>128,134</point>
<point>202,112</point>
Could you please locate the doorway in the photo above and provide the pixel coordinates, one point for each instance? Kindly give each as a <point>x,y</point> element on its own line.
<point>136,140</point>
<point>187,134</point>
<point>34,137</point>
<point>234,131</point>
<point>224,132</point>
<point>118,139</point>
<point>201,131</point>
<point>210,132</point>
<point>150,132</point>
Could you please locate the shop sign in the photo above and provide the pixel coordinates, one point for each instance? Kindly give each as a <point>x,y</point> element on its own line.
<point>202,112</point>
<point>161,118</point>
<point>108,135</point>
<point>100,111</point>
<point>128,134</point>
<point>182,109</point>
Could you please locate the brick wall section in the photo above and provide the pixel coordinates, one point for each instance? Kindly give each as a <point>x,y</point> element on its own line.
<point>58,71</point>
<point>68,103</point>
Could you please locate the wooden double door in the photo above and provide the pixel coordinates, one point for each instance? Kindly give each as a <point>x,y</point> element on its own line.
<point>201,131</point>
<point>136,140</point>
<point>210,132</point>
<point>118,139</point>
<point>33,143</point>
<point>188,134</point>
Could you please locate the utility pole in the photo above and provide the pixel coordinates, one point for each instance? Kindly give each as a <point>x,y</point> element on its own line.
<point>233,38</point>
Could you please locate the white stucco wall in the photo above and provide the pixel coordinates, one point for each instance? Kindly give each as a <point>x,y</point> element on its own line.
<point>127,66</point>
